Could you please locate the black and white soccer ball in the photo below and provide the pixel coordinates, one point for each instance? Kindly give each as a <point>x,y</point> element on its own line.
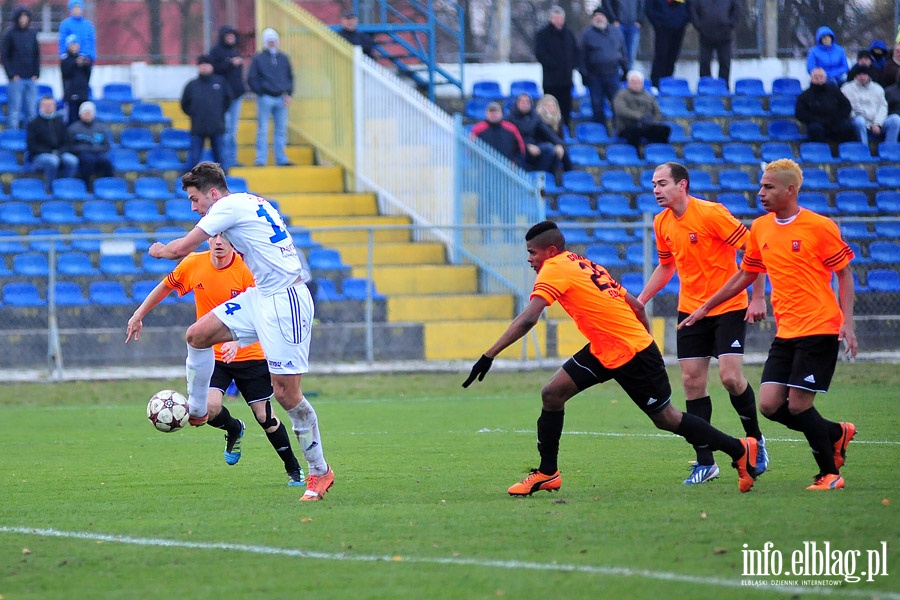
<point>168,411</point>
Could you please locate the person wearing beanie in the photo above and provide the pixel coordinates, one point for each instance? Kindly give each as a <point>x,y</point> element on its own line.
<point>75,69</point>
<point>825,111</point>
<point>868,104</point>
<point>878,50</point>
<point>77,24</point>
<point>348,31</point>
<point>206,100</point>
<point>228,63</point>
<point>271,78</point>
<point>91,141</point>
<point>21,57</point>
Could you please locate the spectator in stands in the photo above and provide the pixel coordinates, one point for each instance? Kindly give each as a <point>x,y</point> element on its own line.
<point>669,19</point>
<point>75,69</point>
<point>868,104</point>
<point>77,24</point>
<point>500,135</point>
<point>638,115</point>
<point>272,80</point>
<point>21,56</point>
<point>825,111</point>
<point>829,55</point>
<point>544,149</point>
<point>863,59</point>
<point>49,145</point>
<point>348,31</point>
<point>879,52</point>
<point>892,122</point>
<point>629,15</point>
<point>556,48</point>
<point>602,62</point>
<point>229,64</point>
<point>548,110</point>
<point>206,100</point>
<point>715,22</point>
<point>891,68</point>
<point>91,141</point>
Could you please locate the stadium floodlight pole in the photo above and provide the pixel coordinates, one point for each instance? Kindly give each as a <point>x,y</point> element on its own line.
<point>207,25</point>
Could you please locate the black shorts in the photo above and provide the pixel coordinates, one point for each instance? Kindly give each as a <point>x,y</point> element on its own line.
<point>251,377</point>
<point>712,336</point>
<point>643,378</point>
<point>805,362</point>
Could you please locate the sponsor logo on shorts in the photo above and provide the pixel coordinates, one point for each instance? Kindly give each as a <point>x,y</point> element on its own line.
<point>275,363</point>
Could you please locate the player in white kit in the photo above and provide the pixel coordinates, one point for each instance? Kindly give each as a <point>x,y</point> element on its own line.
<point>278,312</point>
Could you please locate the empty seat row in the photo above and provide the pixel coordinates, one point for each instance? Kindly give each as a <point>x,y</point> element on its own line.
<point>79,264</point>
<point>68,293</point>
<point>61,212</point>
<point>135,138</point>
<point>679,107</point>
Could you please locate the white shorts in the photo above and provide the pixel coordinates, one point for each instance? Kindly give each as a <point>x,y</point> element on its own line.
<point>281,323</point>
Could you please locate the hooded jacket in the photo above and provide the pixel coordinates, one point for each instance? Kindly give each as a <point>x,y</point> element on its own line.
<point>221,55</point>
<point>879,52</point>
<point>831,58</point>
<point>81,27</point>
<point>47,135</point>
<point>532,128</point>
<point>270,72</point>
<point>19,49</point>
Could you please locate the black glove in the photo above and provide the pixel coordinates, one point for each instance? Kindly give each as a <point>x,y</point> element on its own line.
<point>479,370</point>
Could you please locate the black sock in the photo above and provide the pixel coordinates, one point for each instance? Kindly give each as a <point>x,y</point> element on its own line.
<point>225,421</point>
<point>815,428</point>
<point>745,406</point>
<point>281,441</point>
<point>549,430</point>
<point>698,432</point>
<point>784,416</point>
<point>702,408</point>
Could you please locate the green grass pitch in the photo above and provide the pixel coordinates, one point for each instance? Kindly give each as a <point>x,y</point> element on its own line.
<point>95,503</point>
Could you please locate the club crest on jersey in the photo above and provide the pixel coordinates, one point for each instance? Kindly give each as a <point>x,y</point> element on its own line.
<point>795,246</point>
<point>693,238</point>
<point>235,293</point>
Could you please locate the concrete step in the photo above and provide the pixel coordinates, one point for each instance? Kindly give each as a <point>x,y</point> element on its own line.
<point>336,238</point>
<point>301,155</point>
<point>387,253</point>
<point>274,181</point>
<point>456,340</point>
<point>422,279</point>
<point>465,307</point>
<point>328,204</point>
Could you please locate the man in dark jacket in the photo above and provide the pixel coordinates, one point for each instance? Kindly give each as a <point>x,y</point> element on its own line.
<point>48,144</point>
<point>544,150</point>
<point>825,111</point>
<point>229,64</point>
<point>603,62</point>
<point>21,56</point>
<point>669,19</point>
<point>715,21</point>
<point>75,69</point>
<point>91,143</point>
<point>205,100</point>
<point>629,16</point>
<point>348,31</point>
<point>499,134</point>
<point>556,48</point>
<point>272,80</point>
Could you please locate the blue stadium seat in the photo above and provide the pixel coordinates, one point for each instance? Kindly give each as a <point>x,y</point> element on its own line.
<point>10,247</point>
<point>618,182</point>
<point>712,86</point>
<point>13,140</point>
<point>615,206</point>
<point>746,130</point>
<point>674,86</point>
<point>137,138</point>
<point>152,188</point>
<point>9,163</point>
<point>22,294</point>
<point>888,201</point>
<point>883,280</point>
<point>858,257</point>
<point>175,139</point>
<point>785,131</point>
<point>592,133</point>
<point>17,213</point>
<point>736,180</point>
<point>672,287</point>
<point>575,233</point>
<point>110,111</point>
<point>855,178</point>
<point>700,154</point>
<point>476,108</point>
<point>84,244</point>
<point>164,159</point>
<point>575,206</point>
<point>618,235</point>
<point>739,154</point>
<point>326,291</point>
<point>59,212</point>
<point>584,156</point>
<point>623,155</point>
<point>303,238</point>
<point>816,202</point>
<point>525,86</point>
<point>701,181</point>
<point>857,231</point>
<point>633,282</point>
<point>885,252</point>
<point>355,288</point>
<point>28,190</point>
<point>673,107</point>
<point>118,92</point>
<point>656,154</point>
<point>853,203</point>
<point>856,152</point>
<point>134,233</point>
<point>888,230</point>
<point>580,182</point>
<point>677,135</point>
<point>488,90</point>
<point>634,255</point>
<point>69,188</point>
<point>817,179</point>
<point>143,211</point>
<point>76,264</point>
<point>149,113</point>
<point>39,245</point>
<point>157,266</point>
<point>782,106</point>
<point>168,233</point>
<point>604,255</point>
<point>888,177</point>
<point>887,151</point>
<point>178,209</point>
<point>786,86</point>
<point>31,264</point>
<point>68,293</point>
<point>101,211</point>
<point>646,179</point>
<point>711,107</point>
<point>770,151</point>
<point>108,293</point>
<point>749,86</point>
<point>647,203</point>
<point>118,265</point>
<point>237,185</point>
<point>708,131</point>
<point>325,259</point>
<point>817,153</point>
<point>141,289</point>
<point>737,205</point>
<point>748,106</point>
<point>111,188</point>
<point>126,159</point>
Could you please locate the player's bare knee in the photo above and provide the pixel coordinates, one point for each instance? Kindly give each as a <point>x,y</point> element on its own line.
<point>667,419</point>
<point>735,383</point>
<point>552,399</point>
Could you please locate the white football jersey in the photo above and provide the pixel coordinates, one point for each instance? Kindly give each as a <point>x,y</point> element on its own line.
<point>256,230</point>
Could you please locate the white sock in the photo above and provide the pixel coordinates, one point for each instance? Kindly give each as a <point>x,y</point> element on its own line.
<point>306,427</point>
<point>199,366</point>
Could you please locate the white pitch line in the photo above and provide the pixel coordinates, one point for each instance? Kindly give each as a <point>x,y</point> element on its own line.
<point>627,572</point>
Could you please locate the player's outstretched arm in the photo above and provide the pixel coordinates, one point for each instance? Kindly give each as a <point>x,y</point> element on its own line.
<point>660,276</point>
<point>135,323</point>
<point>521,325</point>
<point>738,282</point>
<point>181,247</point>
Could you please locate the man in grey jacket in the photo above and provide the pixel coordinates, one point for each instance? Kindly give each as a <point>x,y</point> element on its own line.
<point>715,21</point>
<point>272,80</point>
<point>603,62</point>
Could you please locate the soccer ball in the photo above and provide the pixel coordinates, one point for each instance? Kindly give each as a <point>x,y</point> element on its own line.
<point>168,411</point>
